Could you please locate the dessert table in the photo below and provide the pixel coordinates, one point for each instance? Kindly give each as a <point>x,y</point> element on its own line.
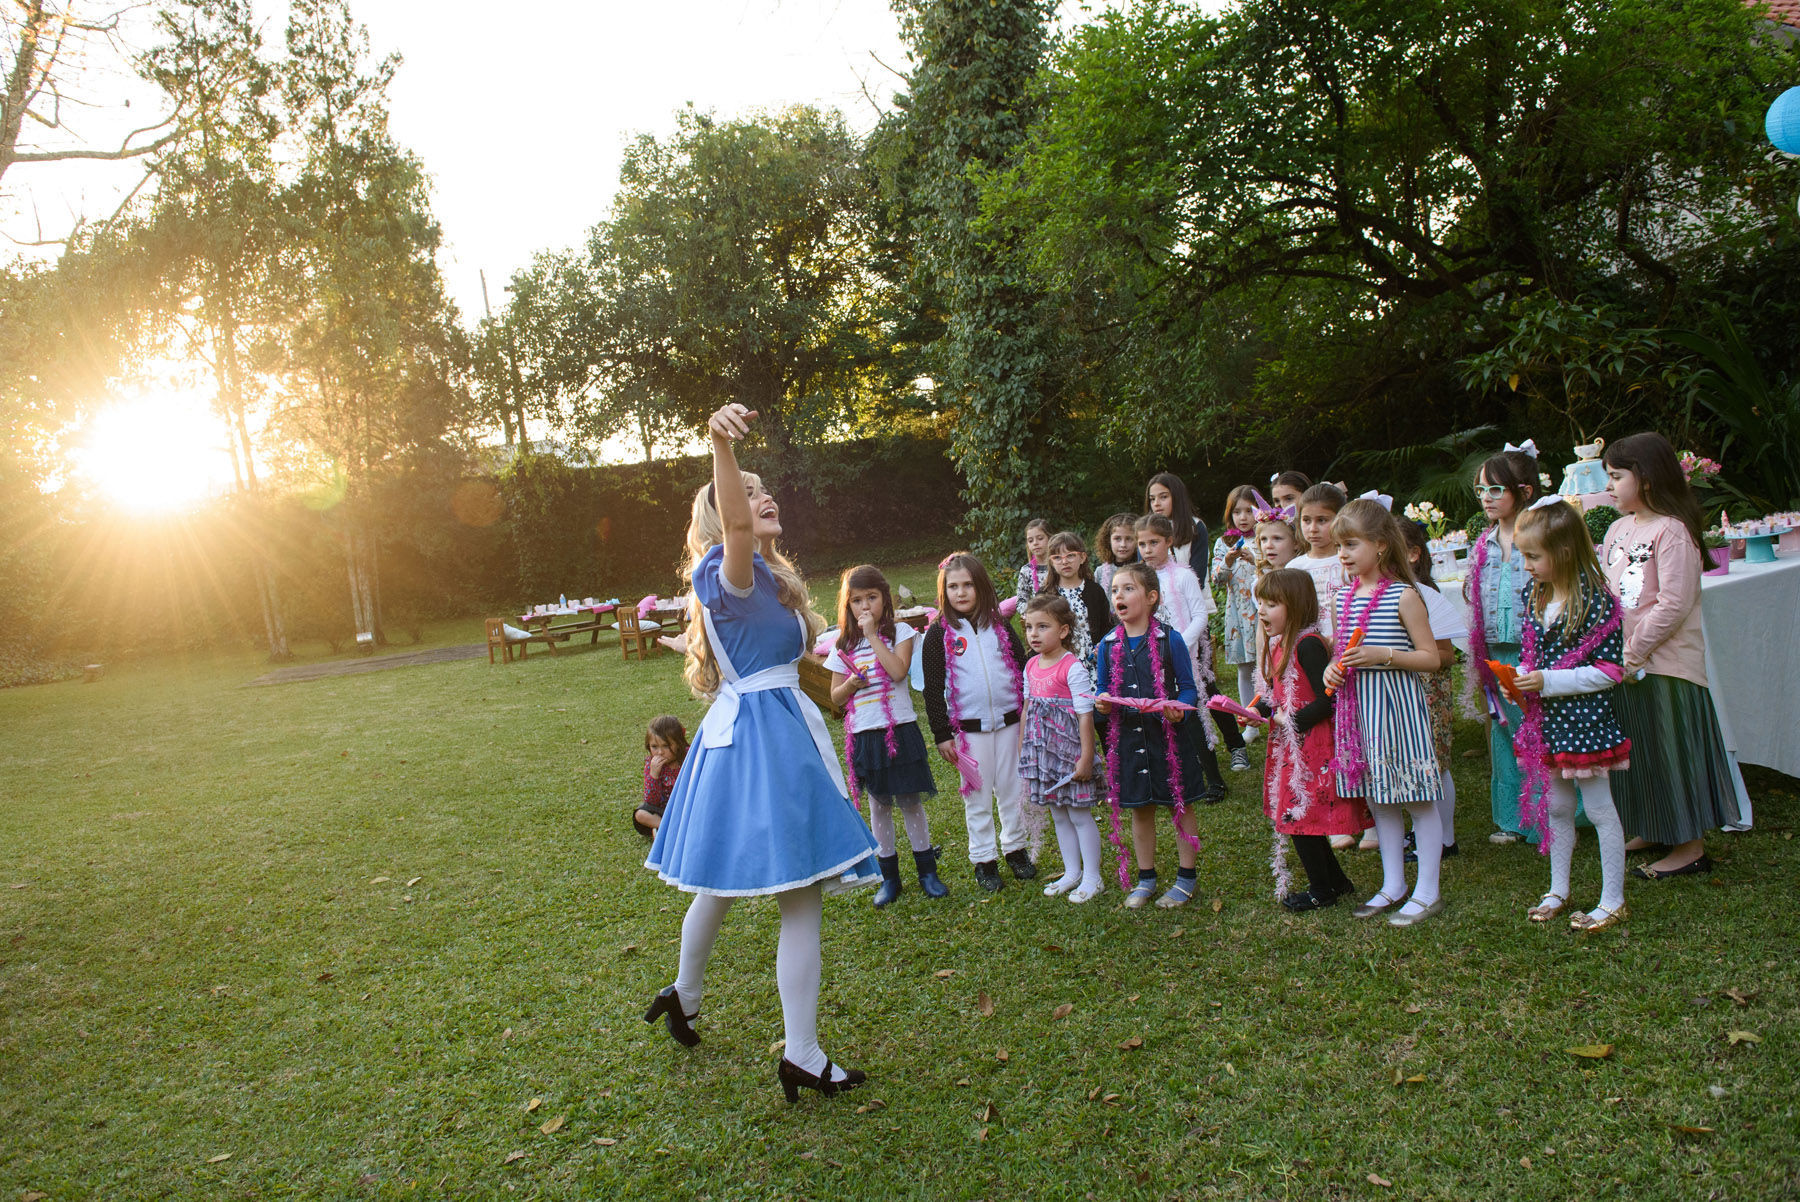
<point>1751,617</point>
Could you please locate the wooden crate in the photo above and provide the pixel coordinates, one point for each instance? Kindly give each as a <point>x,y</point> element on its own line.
<point>815,682</point>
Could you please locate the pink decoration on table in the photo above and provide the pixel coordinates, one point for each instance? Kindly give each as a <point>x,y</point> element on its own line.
<point>647,605</point>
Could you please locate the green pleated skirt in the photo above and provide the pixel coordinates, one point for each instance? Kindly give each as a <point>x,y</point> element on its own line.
<point>1679,785</point>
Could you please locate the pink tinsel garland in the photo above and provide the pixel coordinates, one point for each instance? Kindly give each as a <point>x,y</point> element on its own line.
<point>886,685</point>
<point>1347,758</point>
<point>1478,677</point>
<point>1528,743</point>
<point>1116,685</point>
<point>1283,765</point>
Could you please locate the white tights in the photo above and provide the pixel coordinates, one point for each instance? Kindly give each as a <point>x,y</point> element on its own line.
<point>1078,839</point>
<point>1428,832</point>
<point>912,812</point>
<point>1446,806</point>
<point>797,966</point>
<point>1246,683</point>
<point>1596,797</point>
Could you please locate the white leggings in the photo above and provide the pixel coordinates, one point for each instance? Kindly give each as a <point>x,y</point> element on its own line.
<point>1246,683</point>
<point>1078,839</point>
<point>1390,827</point>
<point>797,964</point>
<point>1596,798</point>
<point>912,812</point>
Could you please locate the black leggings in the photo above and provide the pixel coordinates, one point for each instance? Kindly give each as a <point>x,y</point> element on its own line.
<point>1323,872</point>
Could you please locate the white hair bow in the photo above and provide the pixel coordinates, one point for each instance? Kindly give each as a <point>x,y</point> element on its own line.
<point>1545,502</point>
<point>1529,447</point>
<point>1380,498</point>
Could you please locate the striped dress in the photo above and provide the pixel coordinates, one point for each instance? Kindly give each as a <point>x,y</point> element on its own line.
<point>1393,714</point>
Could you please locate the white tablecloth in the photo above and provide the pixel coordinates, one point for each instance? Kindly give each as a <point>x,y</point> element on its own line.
<point>1752,623</point>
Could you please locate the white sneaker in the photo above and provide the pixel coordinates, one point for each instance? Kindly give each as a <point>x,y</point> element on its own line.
<point>1503,837</point>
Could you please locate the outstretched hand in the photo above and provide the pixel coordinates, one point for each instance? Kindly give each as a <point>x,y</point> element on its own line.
<point>731,421</point>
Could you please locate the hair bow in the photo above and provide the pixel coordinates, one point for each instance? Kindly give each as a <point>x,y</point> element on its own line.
<point>1545,502</point>
<point>1380,498</point>
<point>1529,447</point>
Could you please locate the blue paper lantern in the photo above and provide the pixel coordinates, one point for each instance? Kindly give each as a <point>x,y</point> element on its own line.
<point>1783,122</point>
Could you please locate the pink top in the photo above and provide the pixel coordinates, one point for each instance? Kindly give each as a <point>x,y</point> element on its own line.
<point>1652,563</point>
<point>1066,679</point>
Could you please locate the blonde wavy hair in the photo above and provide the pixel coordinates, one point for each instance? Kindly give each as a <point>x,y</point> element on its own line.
<point>706,531</point>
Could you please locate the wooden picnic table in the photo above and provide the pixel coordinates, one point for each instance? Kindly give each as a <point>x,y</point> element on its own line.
<point>587,619</point>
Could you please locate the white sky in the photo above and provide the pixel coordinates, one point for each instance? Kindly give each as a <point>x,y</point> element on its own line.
<point>521,113</point>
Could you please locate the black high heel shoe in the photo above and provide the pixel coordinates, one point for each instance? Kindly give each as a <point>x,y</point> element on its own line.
<point>667,1006</point>
<point>793,1078</point>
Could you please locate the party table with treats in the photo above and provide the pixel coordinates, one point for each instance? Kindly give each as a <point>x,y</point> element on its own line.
<point>1751,616</point>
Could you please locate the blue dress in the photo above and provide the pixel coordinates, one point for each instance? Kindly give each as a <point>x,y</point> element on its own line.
<point>760,805</point>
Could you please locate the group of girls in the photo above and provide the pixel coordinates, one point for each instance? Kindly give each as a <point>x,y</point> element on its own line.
<point>1339,634</point>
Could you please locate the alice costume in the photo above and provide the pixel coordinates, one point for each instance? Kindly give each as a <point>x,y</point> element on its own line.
<point>1679,785</point>
<point>869,715</point>
<point>1055,699</point>
<point>760,805</point>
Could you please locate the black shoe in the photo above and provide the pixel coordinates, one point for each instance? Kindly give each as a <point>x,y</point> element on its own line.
<point>667,1006</point>
<point>793,1079</point>
<point>987,875</point>
<point>1412,848</point>
<point>1644,872</point>
<point>930,884</point>
<point>890,880</point>
<point>1308,900</point>
<point>1452,850</point>
<point>1020,863</point>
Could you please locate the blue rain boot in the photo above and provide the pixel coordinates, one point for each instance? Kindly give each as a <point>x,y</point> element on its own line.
<point>928,877</point>
<point>890,880</point>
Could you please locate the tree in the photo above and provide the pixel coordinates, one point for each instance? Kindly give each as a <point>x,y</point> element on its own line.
<point>372,353</point>
<point>733,266</point>
<point>969,105</point>
<point>1356,195</point>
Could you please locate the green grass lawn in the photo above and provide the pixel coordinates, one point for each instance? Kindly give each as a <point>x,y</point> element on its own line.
<point>373,936</point>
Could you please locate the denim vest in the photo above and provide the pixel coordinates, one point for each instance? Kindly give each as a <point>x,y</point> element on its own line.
<point>1502,625</point>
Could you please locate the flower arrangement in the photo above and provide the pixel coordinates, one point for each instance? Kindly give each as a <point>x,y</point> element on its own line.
<point>1698,469</point>
<point>1545,482</point>
<point>1429,516</point>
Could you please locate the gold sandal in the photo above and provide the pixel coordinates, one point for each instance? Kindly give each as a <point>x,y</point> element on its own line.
<point>1544,911</point>
<point>1587,924</point>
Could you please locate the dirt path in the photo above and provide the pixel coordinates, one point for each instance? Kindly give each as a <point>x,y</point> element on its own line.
<point>379,663</point>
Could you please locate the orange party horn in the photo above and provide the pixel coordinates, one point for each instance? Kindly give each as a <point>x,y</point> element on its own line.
<point>1355,640</point>
<point>1508,676</point>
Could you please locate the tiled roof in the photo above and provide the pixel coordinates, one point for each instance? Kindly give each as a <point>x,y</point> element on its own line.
<point>1785,11</point>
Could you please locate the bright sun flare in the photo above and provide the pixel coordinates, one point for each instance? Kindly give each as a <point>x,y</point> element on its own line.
<point>154,454</point>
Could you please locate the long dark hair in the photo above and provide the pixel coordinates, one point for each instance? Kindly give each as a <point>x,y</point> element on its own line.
<point>1661,482</point>
<point>987,602</point>
<point>1181,509</point>
<point>857,579</point>
<point>669,729</point>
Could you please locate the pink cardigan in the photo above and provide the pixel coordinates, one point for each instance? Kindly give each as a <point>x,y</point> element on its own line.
<point>1655,568</point>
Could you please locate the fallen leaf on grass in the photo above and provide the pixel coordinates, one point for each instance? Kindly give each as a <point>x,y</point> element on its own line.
<point>22,885</point>
<point>1737,1037</point>
<point>944,974</point>
<point>221,1158</point>
<point>1690,1130</point>
<point>1135,1042</point>
<point>379,880</point>
<point>962,1083</point>
<point>1063,1011</point>
<point>1742,999</point>
<point>533,1105</point>
<point>1383,1182</point>
<point>506,1034</point>
<point>1592,1051</point>
<point>1229,1071</point>
<point>777,1046</point>
<point>1416,1079</point>
<point>1053,947</point>
<point>1178,932</point>
<point>414,881</point>
<point>604,1142</point>
<point>1524,1162</point>
<point>554,1125</point>
<point>1002,1056</point>
<point>1111,1099</point>
<point>1093,1093</point>
<point>324,976</point>
<point>1134,997</point>
<point>871,1104</point>
<point>33,1195</point>
<point>1472,753</point>
<point>989,1113</point>
<point>982,1137</point>
<point>1412,1007</point>
<point>985,1004</point>
<point>1218,903</point>
<point>512,1157</point>
<point>629,948</point>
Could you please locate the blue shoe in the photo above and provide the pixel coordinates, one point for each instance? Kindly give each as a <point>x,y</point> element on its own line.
<point>890,880</point>
<point>929,882</point>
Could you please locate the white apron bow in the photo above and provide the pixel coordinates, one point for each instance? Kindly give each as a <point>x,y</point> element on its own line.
<point>721,717</point>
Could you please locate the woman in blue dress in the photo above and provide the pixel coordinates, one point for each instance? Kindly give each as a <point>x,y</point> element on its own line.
<point>760,806</point>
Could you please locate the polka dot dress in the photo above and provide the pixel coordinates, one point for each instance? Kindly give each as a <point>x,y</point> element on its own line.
<point>1580,731</point>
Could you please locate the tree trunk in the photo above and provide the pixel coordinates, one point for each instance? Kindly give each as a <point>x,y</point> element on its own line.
<point>243,466</point>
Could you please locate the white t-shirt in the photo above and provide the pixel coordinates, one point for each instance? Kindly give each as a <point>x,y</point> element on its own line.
<point>1329,579</point>
<point>1446,620</point>
<point>866,712</point>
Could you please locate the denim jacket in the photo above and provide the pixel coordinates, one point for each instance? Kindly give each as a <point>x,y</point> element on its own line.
<point>1502,626</point>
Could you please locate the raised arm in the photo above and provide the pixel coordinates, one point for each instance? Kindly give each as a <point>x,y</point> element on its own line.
<point>728,424</point>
